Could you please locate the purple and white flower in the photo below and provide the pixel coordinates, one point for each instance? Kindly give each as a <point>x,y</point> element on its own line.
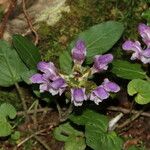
<point>144,31</point>
<point>58,86</point>
<point>42,80</point>
<point>102,91</point>
<point>78,96</point>
<point>135,47</point>
<point>79,52</point>
<point>138,52</point>
<point>101,62</point>
<point>99,94</point>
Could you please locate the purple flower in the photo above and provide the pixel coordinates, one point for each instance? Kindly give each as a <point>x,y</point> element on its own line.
<point>102,91</point>
<point>79,52</point>
<point>99,94</point>
<point>101,62</point>
<point>135,47</point>
<point>78,96</point>
<point>144,31</point>
<point>57,86</point>
<point>42,80</point>
<point>110,86</point>
<point>48,69</point>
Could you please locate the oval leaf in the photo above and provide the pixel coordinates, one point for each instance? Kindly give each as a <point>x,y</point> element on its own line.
<point>100,38</point>
<point>28,52</point>
<point>128,70</point>
<point>11,65</point>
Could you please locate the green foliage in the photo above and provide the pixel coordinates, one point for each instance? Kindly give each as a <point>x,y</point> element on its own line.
<point>128,70</point>
<point>11,65</point>
<point>15,136</point>
<point>100,38</point>
<point>97,136</point>
<point>98,139</point>
<point>90,116</point>
<point>65,62</point>
<point>74,139</point>
<point>6,110</point>
<point>142,90</point>
<point>27,51</point>
<point>146,15</point>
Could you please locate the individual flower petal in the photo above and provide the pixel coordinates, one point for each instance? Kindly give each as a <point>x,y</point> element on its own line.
<point>110,86</point>
<point>135,47</point>
<point>144,31</point>
<point>98,95</point>
<point>48,69</point>
<point>57,86</point>
<point>37,78</point>
<point>78,96</point>
<point>79,52</point>
<point>101,62</point>
<point>40,79</point>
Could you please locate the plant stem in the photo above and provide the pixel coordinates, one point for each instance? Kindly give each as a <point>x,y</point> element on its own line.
<point>22,101</point>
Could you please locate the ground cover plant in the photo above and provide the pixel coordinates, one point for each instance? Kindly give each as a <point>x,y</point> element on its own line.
<point>92,91</point>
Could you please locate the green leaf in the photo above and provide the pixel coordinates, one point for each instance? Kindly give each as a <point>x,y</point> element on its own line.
<point>128,70</point>
<point>11,65</point>
<point>15,136</point>
<point>142,90</point>
<point>64,131</point>
<point>8,110</point>
<point>65,62</point>
<point>90,116</point>
<point>100,38</point>
<point>99,140</point>
<point>5,128</point>
<point>75,143</point>
<point>28,52</point>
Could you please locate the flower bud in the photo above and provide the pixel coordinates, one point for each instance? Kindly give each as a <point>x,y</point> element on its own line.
<point>79,52</point>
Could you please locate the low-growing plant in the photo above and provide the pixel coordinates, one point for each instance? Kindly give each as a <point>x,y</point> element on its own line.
<point>74,81</point>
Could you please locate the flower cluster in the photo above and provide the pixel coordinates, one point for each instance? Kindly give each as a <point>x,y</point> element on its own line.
<point>77,82</point>
<point>140,53</point>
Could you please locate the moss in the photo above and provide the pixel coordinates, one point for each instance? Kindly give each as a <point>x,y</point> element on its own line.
<point>85,13</point>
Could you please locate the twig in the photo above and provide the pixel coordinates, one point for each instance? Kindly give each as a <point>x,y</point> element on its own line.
<point>29,22</point>
<point>42,143</point>
<point>128,121</point>
<point>23,101</point>
<point>6,17</point>
<point>32,135</point>
<point>30,112</point>
<point>127,111</point>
